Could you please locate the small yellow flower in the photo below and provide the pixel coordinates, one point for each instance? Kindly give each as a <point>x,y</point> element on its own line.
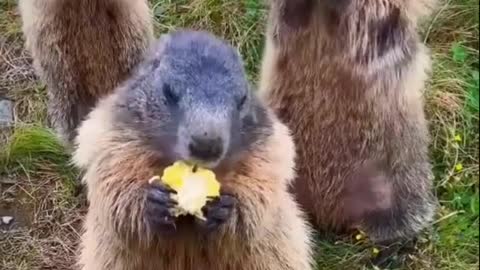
<point>375,251</point>
<point>458,138</point>
<point>459,167</point>
<point>194,187</point>
<point>360,236</point>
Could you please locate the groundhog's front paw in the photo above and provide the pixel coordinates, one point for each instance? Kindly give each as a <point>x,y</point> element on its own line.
<point>217,212</point>
<point>159,207</point>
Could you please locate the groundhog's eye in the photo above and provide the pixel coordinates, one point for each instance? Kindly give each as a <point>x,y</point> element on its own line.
<point>242,102</point>
<point>170,96</point>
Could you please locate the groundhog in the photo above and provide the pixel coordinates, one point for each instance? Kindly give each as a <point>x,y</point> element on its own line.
<point>190,100</point>
<point>347,78</point>
<point>82,50</point>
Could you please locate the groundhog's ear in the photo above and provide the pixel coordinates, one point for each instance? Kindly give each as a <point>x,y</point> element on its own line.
<point>153,57</point>
<point>157,49</point>
<point>163,40</point>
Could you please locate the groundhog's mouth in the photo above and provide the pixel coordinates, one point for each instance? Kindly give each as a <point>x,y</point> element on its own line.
<point>211,165</point>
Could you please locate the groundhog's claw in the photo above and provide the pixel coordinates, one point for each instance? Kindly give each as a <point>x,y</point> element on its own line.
<point>217,211</point>
<point>159,207</point>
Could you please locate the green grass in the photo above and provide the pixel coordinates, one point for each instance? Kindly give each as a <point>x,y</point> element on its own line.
<point>9,26</point>
<point>241,22</point>
<point>452,108</point>
<point>31,148</point>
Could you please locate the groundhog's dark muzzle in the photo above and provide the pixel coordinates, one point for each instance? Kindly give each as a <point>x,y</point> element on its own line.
<point>206,149</point>
<point>204,135</point>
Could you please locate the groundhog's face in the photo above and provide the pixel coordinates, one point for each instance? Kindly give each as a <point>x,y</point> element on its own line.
<point>192,101</point>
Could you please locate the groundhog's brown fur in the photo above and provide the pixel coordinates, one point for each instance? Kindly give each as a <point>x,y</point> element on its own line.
<point>82,49</point>
<point>347,78</point>
<point>267,232</point>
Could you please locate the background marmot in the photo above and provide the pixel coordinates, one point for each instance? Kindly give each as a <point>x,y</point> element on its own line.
<point>82,50</point>
<point>346,77</point>
<point>189,101</point>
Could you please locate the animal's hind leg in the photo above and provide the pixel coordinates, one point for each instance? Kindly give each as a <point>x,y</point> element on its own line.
<point>381,202</point>
<point>395,229</point>
<point>65,112</point>
<point>392,214</point>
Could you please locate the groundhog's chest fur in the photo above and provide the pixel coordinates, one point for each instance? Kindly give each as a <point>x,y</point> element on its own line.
<point>187,250</point>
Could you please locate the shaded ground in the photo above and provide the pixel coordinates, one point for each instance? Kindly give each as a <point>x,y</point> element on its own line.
<point>36,180</point>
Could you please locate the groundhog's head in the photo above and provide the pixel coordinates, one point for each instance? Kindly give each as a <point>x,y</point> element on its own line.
<point>191,101</point>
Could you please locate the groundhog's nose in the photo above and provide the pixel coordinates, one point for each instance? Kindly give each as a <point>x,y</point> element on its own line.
<point>205,149</point>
